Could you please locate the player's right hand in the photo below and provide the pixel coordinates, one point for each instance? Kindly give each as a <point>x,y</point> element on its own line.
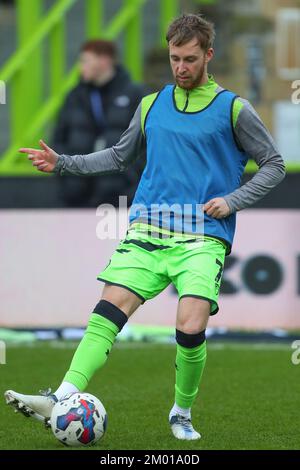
<point>44,160</point>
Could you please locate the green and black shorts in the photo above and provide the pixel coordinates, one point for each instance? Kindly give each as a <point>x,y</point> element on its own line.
<point>149,259</point>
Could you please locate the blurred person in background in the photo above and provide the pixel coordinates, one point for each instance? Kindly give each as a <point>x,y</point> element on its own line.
<point>94,115</point>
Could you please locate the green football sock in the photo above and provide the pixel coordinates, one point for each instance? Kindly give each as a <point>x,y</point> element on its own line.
<point>92,351</point>
<point>190,364</point>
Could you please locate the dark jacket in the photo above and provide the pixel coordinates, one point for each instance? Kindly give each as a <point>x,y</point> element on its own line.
<point>79,126</point>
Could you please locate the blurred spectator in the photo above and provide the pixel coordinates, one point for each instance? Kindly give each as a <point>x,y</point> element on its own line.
<point>93,116</point>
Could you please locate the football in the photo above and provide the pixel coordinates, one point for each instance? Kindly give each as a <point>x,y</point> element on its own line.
<point>79,419</point>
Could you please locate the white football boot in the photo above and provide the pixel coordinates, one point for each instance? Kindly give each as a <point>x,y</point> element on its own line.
<point>182,428</point>
<point>36,406</point>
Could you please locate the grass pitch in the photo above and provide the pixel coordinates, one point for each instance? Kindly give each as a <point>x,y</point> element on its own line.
<point>249,397</point>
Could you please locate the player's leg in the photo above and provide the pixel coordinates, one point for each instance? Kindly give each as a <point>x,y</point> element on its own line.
<point>195,268</point>
<point>132,276</point>
<point>108,318</point>
<point>192,318</point>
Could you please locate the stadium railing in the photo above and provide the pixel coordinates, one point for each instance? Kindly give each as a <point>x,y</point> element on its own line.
<point>25,71</point>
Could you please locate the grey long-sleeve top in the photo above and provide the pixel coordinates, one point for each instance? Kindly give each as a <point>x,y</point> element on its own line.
<point>251,135</point>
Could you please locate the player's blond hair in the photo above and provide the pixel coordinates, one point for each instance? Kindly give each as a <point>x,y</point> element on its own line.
<point>190,26</point>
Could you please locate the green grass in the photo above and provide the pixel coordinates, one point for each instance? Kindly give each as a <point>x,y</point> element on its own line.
<point>249,397</point>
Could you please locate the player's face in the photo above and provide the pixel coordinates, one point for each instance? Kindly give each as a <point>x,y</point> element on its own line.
<point>189,64</point>
<point>94,66</point>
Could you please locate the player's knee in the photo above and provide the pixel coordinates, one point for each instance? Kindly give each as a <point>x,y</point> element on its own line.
<point>111,312</point>
<point>189,340</point>
<point>122,298</point>
<point>191,325</point>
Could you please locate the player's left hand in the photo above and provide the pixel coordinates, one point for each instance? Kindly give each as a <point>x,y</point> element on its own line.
<point>217,208</point>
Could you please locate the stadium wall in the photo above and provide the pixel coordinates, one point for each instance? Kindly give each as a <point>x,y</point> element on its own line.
<point>50,260</point>
<point>21,192</point>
